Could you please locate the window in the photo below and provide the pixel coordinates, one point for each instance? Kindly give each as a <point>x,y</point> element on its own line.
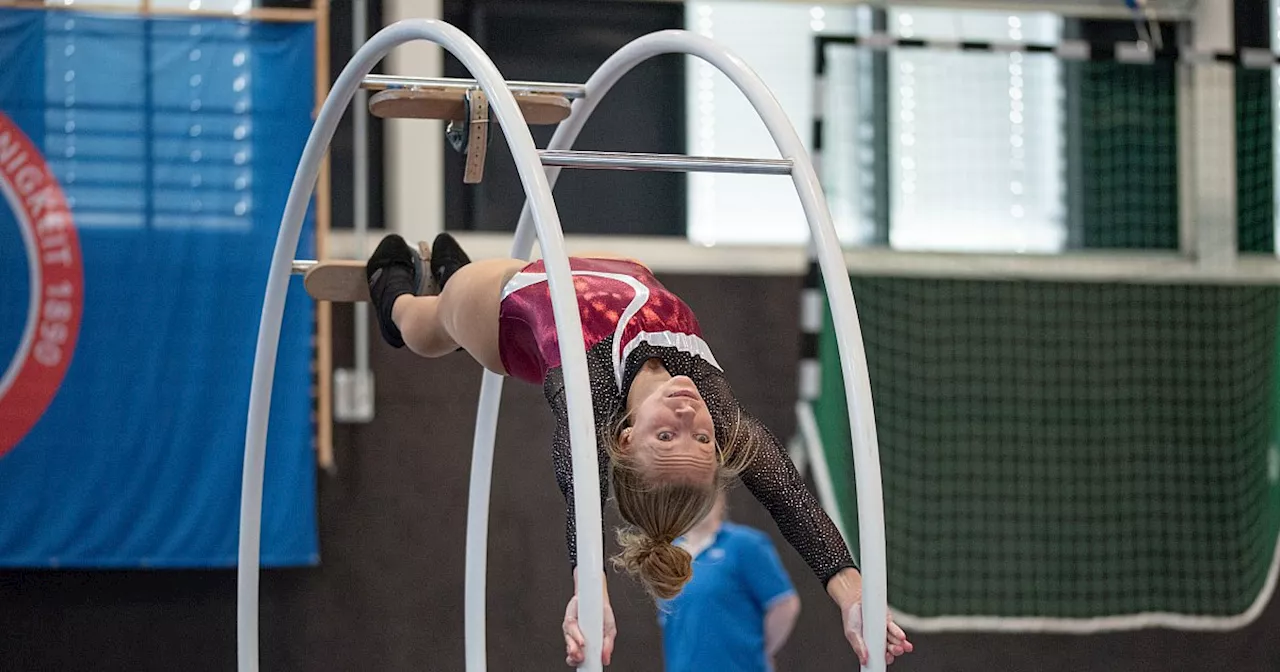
<point>776,41</point>
<point>974,138</point>
<point>973,156</point>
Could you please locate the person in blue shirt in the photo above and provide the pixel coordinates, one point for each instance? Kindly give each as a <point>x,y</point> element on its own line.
<point>738,609</point>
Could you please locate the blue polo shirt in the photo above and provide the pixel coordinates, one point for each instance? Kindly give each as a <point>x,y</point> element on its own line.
<point>717,621</point>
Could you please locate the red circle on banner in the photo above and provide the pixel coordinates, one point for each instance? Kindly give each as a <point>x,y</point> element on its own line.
<point>30,381</point>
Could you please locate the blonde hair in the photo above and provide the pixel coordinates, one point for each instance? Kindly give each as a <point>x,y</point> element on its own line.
<point>658,513</point>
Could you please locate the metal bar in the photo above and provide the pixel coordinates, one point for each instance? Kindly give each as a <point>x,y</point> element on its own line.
<point>360,181</point>
<point>1129,267</point>
<point>875,94</point>
<point>301,266</point>
<point>381,82</point>
<point>1074,137</point>
<point>1165,10</point>
<point>323,350</point>
<point>667,255</point>
<point>667,162</point>
<point>1212,101</point>
<point>1186,149</point>
<point>1067,50</point>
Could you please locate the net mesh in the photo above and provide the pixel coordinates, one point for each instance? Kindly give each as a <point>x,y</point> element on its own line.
<point>1122,153</point>
<point>1066,450</point>
<point>1255,160</point>
<point>1053,449</point>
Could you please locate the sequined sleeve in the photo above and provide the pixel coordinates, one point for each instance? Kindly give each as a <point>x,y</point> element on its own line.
<point>772,478</point>
<point>604,400</point>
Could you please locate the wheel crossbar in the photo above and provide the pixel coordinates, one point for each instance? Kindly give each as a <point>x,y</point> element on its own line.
<point>663,162</point>
<point>384,82</point>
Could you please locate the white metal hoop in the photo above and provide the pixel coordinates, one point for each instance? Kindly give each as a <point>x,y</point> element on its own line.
<point>539,218</point>
<point>564,305</point>
<point>835,275</point>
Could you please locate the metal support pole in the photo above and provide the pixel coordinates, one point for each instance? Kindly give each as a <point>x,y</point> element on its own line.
<point>665,162</point>
<point>381,82</point>
<point>1207,142</point>
<point>353,389</point>
<point>360,186</point>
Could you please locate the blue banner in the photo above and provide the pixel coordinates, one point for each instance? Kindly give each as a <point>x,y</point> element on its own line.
<point>144,167</point>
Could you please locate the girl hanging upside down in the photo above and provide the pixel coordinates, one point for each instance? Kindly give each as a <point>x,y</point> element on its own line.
<point>671,433</point>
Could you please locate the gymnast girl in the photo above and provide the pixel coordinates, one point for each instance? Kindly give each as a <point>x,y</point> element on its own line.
<point>671,433</point>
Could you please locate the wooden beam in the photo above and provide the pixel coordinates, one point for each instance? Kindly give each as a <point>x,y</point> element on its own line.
<point>324,210</point>
<point>450,104</point>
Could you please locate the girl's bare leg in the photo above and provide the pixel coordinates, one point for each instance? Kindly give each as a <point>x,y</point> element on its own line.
<point>464,315</point>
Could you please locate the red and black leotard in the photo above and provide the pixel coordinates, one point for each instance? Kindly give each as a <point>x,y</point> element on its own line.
<point>628,317</point>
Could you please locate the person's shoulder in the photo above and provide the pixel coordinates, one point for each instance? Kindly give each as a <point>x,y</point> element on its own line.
<point>745,534</point>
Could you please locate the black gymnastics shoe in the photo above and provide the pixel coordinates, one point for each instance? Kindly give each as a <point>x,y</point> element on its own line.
<point>393,270</point>
<point>446,258</point>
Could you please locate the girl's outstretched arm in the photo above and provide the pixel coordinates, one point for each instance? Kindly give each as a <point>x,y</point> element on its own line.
<point>772,478</point>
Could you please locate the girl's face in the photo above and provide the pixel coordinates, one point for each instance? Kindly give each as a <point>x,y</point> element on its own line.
<point>672,436</point>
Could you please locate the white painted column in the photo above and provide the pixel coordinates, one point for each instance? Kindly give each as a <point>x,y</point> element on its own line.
<point>1207,141</point>
<point>414,148</point>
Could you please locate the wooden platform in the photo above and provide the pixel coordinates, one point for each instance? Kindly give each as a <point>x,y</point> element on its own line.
<point>539,109</point>
<point>343,280</point>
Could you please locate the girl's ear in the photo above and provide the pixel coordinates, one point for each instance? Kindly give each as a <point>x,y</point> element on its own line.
<point>624,440</point>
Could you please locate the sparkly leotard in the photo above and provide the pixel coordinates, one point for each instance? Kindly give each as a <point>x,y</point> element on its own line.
<point>621,302</point>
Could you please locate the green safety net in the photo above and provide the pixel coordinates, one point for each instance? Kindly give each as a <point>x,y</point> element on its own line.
<point>1066,450</point>
<point>1072,450</point>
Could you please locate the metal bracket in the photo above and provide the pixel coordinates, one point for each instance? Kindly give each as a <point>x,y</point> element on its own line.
<point>353,395</point>
<point>471,136</point>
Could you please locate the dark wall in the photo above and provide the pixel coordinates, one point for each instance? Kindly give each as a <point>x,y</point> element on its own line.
<point>566,41</point>
<point>1255,135</point>
<point>388,593</point>
<point>387,596</point>
<point>342,148</point>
